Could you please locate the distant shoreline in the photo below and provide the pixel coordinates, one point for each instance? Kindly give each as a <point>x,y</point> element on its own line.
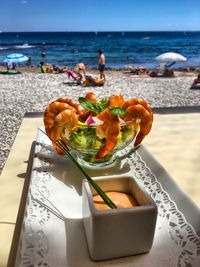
<point>36,69</point>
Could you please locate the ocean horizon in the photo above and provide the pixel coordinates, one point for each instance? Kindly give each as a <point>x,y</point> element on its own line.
<point>121,48</point>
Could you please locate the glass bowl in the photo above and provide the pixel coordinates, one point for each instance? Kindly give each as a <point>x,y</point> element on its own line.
<point>84,140</point>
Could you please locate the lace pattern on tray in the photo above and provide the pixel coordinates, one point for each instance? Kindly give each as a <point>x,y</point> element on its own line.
<point>34,244</point>
<point>180,231</point>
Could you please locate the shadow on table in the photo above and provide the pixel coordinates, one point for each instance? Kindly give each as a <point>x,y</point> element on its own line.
<point>77,253</point>
<point>63,169</point>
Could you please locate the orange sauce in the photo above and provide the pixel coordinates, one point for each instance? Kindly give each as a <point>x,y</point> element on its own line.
<point>121,200</point>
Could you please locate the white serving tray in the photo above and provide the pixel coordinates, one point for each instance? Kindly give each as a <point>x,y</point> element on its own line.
<point>52,233</point>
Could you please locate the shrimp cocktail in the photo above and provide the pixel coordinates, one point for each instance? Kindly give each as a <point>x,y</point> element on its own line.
<point>97,129</point>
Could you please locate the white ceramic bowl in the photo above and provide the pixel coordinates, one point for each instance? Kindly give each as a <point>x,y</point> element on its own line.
<point>118,232</point>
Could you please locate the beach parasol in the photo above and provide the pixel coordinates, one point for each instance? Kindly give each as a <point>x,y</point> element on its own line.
<point>170,57</point>
<point>15,58</point>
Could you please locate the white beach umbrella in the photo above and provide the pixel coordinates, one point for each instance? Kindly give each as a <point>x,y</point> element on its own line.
<point>15,58</point>
<point>170,57</point>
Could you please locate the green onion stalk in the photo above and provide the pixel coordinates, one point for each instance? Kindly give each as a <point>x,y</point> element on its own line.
<point>61,144</point>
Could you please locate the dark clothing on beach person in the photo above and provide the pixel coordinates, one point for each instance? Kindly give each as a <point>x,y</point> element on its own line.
<point>9,65</point>
<point>197,80</point>
<point>29,62</point>
<point>41,66</point>
<point>102,61</point>
<point>196,83</point>
<point>101,67</point>
<point>43,55</point>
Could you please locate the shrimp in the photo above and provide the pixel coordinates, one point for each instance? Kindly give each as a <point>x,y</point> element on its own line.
<point>68,101</point>
<point>139,111</point>
<point>57,115</point>
<point>135,101</point>
<point>109,130</point>
<point>116,101</point>
<point>64,123</point>
<point>91,96</point>
<point>52,111</point>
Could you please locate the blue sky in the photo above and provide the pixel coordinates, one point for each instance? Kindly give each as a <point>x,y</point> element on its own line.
<point>99,15</point>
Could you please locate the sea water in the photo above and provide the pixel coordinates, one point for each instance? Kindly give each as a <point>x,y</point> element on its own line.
<point>120,48</point>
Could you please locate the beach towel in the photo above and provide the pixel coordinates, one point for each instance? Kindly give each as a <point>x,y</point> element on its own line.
<point>10,72</point>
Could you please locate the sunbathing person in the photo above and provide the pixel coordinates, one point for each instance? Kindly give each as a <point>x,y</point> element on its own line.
<point>80,68</point>
<point>156,72</point>
<point>138,70</point>
<point>48,68</point>
<point>45,68</point>
<point>91,81</point>
<point>11,66</point>
<point>78,77</point>
<point>58,69</point>
<point>168,73</point>
<point>196,82</point>
<point>10,69</point>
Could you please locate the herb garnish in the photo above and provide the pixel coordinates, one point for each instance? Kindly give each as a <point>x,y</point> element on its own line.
<point>100,106</point>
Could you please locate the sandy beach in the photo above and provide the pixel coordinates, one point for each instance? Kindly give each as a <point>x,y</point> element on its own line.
<point>31,91</point>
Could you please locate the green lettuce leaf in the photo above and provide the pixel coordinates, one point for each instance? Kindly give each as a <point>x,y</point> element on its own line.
<point>100,106</point>
<point>92,106</point>
<point>117,111</point>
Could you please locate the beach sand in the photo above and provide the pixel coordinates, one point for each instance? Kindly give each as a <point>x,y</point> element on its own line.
<point>31,91</point>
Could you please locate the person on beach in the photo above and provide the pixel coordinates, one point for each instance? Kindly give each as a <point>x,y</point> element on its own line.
<point>43,55</point>
<point>29,62</point>
<point>196,82</point>
<point>137,70</point>
<point>102,61</point>
<point>9,65</point>
<point>48,68</point>
<point>80,69</point>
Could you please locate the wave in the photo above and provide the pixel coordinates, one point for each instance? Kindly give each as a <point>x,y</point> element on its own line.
<point>32,44</point>
<point>24,46</point>
<point>3,48</point>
